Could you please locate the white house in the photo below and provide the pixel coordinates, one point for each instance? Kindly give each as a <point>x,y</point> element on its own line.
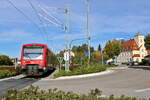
<point>132,50</point>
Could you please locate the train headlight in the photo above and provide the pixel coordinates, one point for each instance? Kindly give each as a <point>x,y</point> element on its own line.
<point>44,68</point>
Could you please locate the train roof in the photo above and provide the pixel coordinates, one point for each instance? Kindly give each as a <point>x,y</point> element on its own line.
<point>37,44</point>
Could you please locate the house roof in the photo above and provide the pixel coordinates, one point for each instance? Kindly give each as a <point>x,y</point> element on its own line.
<point>130,45</point>
<point>136,55</point>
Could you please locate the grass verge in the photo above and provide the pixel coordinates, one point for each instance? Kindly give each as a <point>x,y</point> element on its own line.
<point>83,70</point>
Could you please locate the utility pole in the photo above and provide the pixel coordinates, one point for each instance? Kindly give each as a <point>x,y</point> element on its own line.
<point>67,63</point>
<point>58,24</point>
<point>88,31</point>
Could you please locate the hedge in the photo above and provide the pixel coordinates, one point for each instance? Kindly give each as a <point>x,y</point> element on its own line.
<point>83,70</point>
<point>7,73</point>
<point>34,93</point>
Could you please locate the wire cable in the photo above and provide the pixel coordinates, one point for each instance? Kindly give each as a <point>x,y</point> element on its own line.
<point>50,15</point>
<point>36,12</point>
<point>31,21</point>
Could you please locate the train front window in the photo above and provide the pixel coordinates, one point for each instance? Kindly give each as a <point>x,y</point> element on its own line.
<point>33,53</point>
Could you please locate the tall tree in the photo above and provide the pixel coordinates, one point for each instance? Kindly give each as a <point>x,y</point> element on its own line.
<point>5,60</point>
<point>147,41</point>
<point>99,47</point>
<point>112,48</point>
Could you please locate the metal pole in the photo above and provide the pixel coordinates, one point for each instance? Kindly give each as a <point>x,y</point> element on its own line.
<point>15,63</point>
<point>88,32</point>
<point>67,63</point>
<point>102,57</point>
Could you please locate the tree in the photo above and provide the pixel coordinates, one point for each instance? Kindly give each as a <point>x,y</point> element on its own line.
<point>5,60</point>
<point>112,48</point>
<point>147,41</point>
<point>80,54</point>
<point>99,47</point>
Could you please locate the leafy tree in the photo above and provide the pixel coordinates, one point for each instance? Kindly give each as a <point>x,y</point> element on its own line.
<point>99,47</point>
<point>147,41</point>
<point>112,48</point>
<point>80,56</point>
<point>82,48</point>
<point>54,60</point>
<point>5,60</point>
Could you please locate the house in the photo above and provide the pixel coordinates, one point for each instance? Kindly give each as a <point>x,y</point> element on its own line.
<point>132,50</point>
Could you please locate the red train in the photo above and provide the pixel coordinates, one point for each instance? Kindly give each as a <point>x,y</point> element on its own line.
<point>35,59</point>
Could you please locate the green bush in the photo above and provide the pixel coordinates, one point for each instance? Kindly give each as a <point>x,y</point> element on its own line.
<point>34,93</point>
<point>6,73</point>
<point>145,62</point>
<point>83,70</point>
<point>5,60</point>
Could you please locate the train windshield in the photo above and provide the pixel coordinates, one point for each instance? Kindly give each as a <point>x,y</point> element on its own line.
<point>33,53</point>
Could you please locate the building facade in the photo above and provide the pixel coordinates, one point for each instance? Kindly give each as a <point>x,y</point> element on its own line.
<point>132,50</point>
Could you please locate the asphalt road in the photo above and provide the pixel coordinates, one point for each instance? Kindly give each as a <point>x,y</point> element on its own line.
<point>131,82</point>
<point>20,83</point>
<point>15,83</point>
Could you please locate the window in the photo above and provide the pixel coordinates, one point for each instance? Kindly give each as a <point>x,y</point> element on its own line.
<point>33,53</point>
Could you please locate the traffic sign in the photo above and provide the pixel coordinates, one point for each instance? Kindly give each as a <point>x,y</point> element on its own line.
<point>60,59</point>
<point>66,56</point>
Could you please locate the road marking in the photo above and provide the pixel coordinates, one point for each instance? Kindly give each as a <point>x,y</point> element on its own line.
<point>142,90</point>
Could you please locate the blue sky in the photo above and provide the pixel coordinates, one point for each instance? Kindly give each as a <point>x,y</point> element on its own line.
<point>109,19</point>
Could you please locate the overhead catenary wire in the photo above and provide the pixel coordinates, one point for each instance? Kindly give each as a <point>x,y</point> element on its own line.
<point>36,12</point>
<point>57,25</point>
<point>31,21</point>
<point>50,15</point>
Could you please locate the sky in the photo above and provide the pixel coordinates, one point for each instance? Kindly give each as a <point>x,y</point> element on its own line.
<point>109,19</point>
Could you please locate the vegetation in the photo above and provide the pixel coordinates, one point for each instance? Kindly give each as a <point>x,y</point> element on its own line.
<point>81,55</point>
<point>147,41</point>
<point>99,47</point>
<point>145,62</point>
<point>112,48</point>
<point>5,60</point>
<point>83,70</point>
<point>34,93</point>
<point>53,59</point>
<point>10,68</point>
<point>6,73</point>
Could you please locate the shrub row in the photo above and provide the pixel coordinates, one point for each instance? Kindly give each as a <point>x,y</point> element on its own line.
<point>7,73</point>
<point>83,70</point>
<point>34,93</point>
<point>10,68</point>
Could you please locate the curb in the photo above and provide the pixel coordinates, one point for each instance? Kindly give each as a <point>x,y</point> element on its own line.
<point>83,76</point>
<point>121,68</point>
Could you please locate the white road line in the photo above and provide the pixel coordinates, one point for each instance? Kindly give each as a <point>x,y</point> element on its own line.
<point>142,90</point>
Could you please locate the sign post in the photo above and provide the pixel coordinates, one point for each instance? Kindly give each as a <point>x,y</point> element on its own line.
<point>60,59</point>
<point>66,58</point>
